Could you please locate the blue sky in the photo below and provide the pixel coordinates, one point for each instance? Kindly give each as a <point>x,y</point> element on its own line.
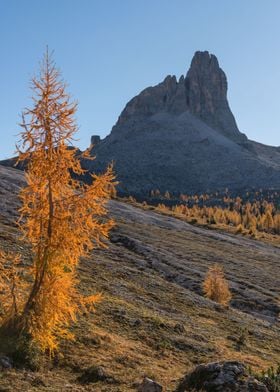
<point>110,50</point>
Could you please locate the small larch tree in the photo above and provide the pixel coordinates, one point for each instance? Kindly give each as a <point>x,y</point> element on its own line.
<point>215,286</point>
<point>267,221</point>
<point>61,217</point>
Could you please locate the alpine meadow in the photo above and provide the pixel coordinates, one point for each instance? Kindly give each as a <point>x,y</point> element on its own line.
<point>145,258</point>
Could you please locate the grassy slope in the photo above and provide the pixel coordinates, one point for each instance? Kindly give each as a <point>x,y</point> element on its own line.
<point>153,319</point>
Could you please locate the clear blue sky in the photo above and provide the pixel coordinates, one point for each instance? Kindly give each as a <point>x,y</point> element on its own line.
<point>109,50</point>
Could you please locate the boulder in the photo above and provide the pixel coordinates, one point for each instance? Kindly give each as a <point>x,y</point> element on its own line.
<point>94,374</point>
<point>94,140</point>
<point>6,362</point>
<point>149,385</point>
<point>228,376</point>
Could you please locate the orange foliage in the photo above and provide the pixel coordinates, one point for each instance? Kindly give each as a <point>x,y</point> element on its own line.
<point>215,285</point>
<point>13,287</point>
<point>254,217</point>
<point>61,217</point>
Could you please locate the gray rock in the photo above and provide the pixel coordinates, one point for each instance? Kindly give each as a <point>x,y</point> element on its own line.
<point>95,374</point>
<point>181,136</point>
<point>203,93</point>
<point>6,362</point>
<point>149,385</point>
<point>95,139</point>
<point>221,377</point>
<point>206,93</point>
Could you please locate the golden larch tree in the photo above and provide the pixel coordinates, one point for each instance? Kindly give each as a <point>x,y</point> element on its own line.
<point>215,286</point>
<point>277,223</point>
<point>267,221</point>
<point>62,217</point>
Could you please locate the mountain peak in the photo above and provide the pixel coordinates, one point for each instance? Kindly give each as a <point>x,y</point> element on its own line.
<point>204,57</point>
<point>206,95</point>
<point>203,93</point>
<point>181,136</point>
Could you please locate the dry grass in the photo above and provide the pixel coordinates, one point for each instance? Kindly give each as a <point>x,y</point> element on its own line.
<point>269,238</point>
<point>153,319</point>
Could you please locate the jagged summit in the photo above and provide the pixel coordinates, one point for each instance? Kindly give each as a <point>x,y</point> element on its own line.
<point>203,92</point>
<point>181,136</point>
<point>206,93</point>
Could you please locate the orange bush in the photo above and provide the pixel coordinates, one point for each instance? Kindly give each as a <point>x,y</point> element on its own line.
<point>215,286</point>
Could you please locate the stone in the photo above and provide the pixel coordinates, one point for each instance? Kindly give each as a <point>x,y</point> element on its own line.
<point>228,376</point>
<point>149,385</point>
<point>93,374</point>
<point>94,140</point>
<point>6,362</point>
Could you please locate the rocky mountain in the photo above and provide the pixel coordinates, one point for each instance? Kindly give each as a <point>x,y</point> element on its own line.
<point>203,93</point>
<point>181,136</point>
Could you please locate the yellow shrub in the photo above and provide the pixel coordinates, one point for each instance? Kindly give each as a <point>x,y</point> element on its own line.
<point>215,286</point>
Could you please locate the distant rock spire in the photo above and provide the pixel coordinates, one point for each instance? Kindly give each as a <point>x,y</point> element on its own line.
<point>94,140</point>
<point>181,136</point>
<point>206,94</point>
<point>203,92</point>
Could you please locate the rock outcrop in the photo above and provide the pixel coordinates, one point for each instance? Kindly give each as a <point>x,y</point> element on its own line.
<point>11,181</point>
<point>220,377</point>
<point>206,93</point>
<point>149,385</point>
<point>181,136</point>
<point>95,139</point>
<point>203,93</point>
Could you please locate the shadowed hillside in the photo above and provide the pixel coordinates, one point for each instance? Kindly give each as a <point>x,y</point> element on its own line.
<point>153,319</point>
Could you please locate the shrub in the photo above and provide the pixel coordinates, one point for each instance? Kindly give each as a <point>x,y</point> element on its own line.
<point>27,354</point>
<point>239,229</point>
<point>242,338</point>
<point>215,286</point>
